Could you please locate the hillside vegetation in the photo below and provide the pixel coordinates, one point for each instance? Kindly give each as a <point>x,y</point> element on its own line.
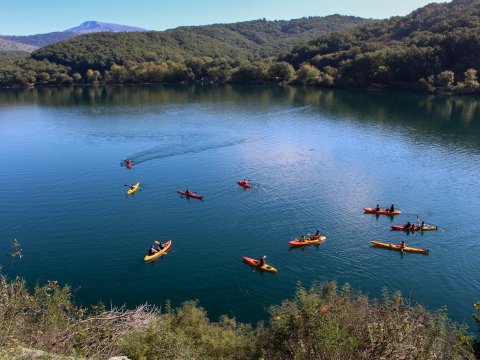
<point>438,43</point>
<point>435,48</point>
<point>321,323</point>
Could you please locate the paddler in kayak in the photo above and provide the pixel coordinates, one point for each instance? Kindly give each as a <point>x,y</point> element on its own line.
<point>262,261</point>
<point>402,246</point>
<point>377,208</point>
<point>132,187</point>
<point>152,250</point>
<point>187,192</point>
<point>316,235</point>
<point>392,208</point>
<point>408,225</point>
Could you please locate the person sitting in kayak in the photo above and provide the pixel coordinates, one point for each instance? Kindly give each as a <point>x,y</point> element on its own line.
<point>408,225</point>
<point>392,208</point>
<point>161,246</point>
<point>152,250</point>
<point>262,261</point>
<point>187,192</point>
<point>422,224</point>
<point>302,238</point>
<point>377,208</point>
<point>402,245</point>
<point>317,233</point>
<point>132,187</point>
<point>128,162</point>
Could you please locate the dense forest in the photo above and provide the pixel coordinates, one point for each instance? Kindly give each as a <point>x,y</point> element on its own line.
<point>435,48</point>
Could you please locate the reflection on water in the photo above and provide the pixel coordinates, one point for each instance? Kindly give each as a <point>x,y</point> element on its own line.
<point>316,158</point>
<point>383,107</point>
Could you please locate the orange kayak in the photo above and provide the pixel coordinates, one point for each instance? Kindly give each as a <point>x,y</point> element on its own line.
<point>254,263</point>
<point>397,247</point>
<point>309,241</point>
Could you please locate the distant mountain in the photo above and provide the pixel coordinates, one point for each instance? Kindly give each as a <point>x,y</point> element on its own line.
<point>9,45</point>
<point>30,43</point>
<point>97,26</point>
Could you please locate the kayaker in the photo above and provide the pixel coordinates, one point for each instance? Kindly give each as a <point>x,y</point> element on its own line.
<point>392,208</point>
<point>402,245</point>
<point>161,246</point>
<point>422,224</point>
<point>302,238</point>
<point>317,233</point>
<point>262,261</point>
<point>128,162</point>
<point>132,187</point>
<point>152,250</point>
<point>377,208</point>
<point>187,192</point>
<point>408,225</point>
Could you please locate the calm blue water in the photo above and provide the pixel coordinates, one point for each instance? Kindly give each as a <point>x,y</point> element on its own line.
<point>316,158</point>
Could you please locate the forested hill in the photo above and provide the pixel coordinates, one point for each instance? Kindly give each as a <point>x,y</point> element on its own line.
<point>245,40</point>
<point>438,43</point>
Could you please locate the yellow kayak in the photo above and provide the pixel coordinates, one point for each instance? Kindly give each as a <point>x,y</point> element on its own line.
<point>158,253</point>
<point>133,188</point>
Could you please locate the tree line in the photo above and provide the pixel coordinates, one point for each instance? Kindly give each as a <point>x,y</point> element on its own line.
<point>435,49</point>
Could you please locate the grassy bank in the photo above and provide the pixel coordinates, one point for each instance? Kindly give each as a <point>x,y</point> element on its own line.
<point>323,322</point>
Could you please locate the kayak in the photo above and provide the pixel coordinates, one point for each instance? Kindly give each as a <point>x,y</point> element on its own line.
<point>192,195</point>
<point>416,228</point>
<point>245,184</point>
<point>381,211</point>
<point>255,263</point>
<point>397,247</point>
<point>158,253</point>
<point>308,241</point>
<point>128,164</point>
<point>132,190</point>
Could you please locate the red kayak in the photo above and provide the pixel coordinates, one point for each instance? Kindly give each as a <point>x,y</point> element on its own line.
<point>190,194</point>
<point>128,164</point>
<point>245,184</point>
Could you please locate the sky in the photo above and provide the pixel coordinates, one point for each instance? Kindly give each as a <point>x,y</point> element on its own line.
<point>27,17</point>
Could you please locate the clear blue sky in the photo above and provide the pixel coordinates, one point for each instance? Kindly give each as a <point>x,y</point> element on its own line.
<point>26,17</point>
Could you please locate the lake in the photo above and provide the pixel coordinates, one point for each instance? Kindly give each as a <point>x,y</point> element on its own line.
<point>316,158</point>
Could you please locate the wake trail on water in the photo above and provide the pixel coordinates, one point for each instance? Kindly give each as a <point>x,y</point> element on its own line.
<point>162,152</point>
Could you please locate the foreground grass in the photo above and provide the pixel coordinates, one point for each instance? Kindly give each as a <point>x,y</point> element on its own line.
<point>320,323</point>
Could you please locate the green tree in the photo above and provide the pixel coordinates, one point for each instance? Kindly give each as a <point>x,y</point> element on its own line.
<point>471,81</point>
<point>308,74</point>
<point>281,71</point>
<point>445,78</point>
